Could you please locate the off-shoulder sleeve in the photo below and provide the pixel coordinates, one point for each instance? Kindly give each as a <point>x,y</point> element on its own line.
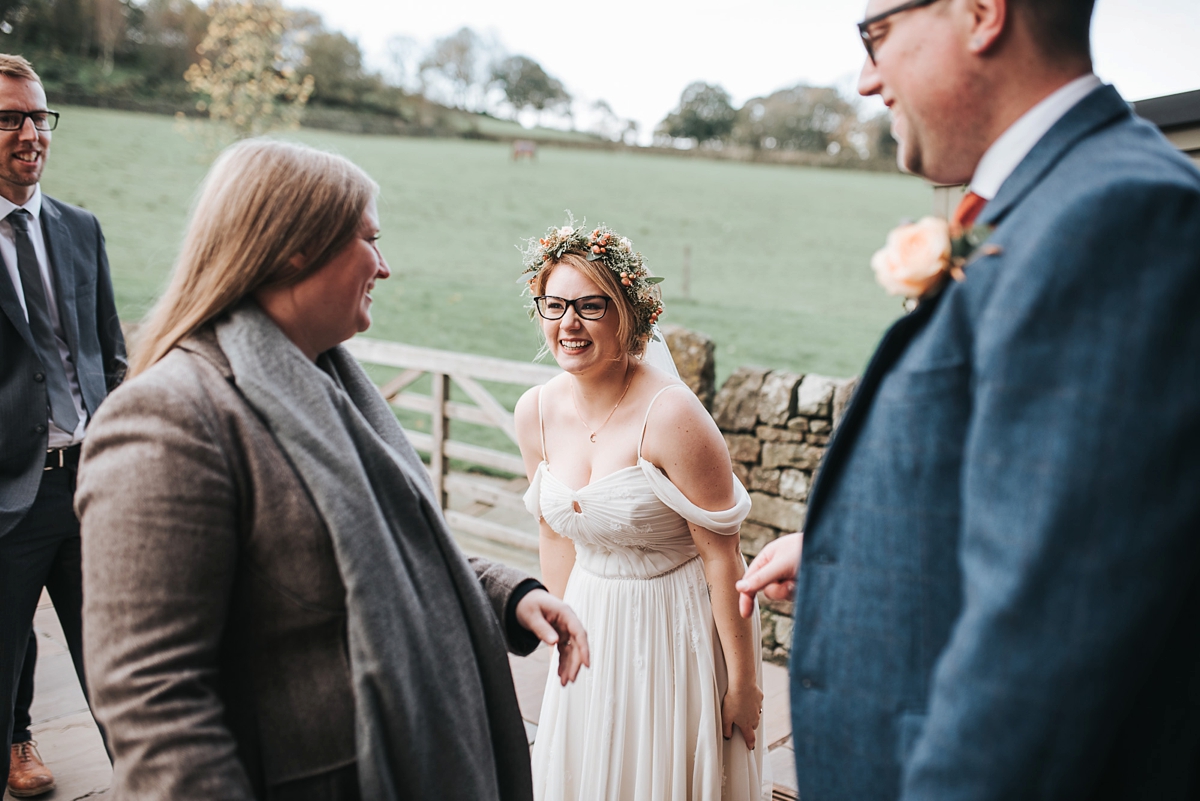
<point>727,522</point>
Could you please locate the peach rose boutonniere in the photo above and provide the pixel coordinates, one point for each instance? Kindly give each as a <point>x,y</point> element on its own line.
<point>919,257</point>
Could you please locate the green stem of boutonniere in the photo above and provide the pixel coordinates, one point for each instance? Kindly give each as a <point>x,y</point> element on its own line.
<point>963,245</point>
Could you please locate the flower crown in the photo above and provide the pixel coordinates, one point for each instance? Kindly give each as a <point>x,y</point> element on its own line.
<point>614,251</point>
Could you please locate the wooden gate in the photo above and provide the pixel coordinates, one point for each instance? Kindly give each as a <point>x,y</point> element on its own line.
<point>466,371</point>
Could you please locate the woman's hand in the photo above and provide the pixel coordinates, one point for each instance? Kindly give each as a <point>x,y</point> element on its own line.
<point>742,707</point>
<point>773,572</point>
<point>555,624</point>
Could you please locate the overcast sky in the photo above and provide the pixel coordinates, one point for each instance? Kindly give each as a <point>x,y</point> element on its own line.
<point>640,54</point>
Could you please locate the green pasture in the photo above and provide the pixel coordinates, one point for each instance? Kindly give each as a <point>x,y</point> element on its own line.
<point>779,276</point>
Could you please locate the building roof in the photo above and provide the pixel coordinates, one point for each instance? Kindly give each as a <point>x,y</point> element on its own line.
<point>1171,111</point>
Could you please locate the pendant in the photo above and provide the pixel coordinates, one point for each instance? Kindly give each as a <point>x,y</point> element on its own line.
<point>593,436</point>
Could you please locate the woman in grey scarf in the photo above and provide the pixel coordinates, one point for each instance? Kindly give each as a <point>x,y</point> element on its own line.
<point>274,607</point>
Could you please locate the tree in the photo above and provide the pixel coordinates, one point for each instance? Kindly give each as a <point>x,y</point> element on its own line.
<point>704,114</point>
<point>879,136</point>
<point>630,135</point>
<point>527,85</point>
<point>606,123</point>
<point>813,118</point>
<point>167,37</point>
<point>402,57</point>
<point>108,19</point>
<point>243,76</point>
<point>64,27</point>
<point>454,59</point>
<point>335,63</point>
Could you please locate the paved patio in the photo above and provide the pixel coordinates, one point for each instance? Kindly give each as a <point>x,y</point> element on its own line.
<point>70,744</point>
<point>66,735</point>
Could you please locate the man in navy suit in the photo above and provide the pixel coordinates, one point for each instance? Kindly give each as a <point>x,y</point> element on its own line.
<point>62,352</point>
<point>999,596</point>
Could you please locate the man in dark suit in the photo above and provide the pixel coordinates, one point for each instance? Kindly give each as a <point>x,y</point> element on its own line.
<point>62,353</point>
<point>1000,587</point>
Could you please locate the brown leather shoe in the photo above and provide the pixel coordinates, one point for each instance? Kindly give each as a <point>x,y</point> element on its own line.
<point>27,776</point>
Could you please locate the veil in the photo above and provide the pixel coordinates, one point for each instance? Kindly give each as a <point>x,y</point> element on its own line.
<point>658,354</point>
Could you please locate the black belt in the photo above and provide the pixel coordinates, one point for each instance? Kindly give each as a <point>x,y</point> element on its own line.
<point>63,457</point>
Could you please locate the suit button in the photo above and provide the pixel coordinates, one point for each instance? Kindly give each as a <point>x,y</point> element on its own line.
<point>39,428</point>
<point>39,377</point>
<point>806,683</point>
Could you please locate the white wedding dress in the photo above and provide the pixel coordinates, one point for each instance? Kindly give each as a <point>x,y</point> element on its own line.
<point>643,723</point>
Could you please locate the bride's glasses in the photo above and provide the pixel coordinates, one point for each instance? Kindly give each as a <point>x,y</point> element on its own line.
<point>591,307</point>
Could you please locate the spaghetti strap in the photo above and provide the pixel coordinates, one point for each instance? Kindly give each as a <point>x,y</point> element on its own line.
<point>647,419</point>
<point>541,422</point>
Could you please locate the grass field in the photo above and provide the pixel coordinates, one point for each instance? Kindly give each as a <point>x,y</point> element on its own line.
<point>780,272</point>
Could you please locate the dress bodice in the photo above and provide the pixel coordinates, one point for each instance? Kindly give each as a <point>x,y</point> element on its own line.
<point>632,523</point>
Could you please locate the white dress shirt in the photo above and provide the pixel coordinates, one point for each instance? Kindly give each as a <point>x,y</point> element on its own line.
<point>8,250</point>
<point>1011,148</point>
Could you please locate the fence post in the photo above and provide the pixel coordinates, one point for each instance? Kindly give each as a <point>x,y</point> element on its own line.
<point>441,432</point>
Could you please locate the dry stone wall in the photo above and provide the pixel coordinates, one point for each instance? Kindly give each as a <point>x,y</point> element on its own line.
<point>777,425</point>
<point>695,359</point>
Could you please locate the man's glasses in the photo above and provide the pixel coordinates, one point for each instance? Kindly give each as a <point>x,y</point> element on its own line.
<point>864,27</point>
<point>591,307</point>
<point>15,120</point>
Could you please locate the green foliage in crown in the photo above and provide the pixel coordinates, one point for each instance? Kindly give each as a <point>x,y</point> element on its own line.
<point>606,246</point>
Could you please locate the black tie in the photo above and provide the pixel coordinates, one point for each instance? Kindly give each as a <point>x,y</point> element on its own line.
<point>62,408</point>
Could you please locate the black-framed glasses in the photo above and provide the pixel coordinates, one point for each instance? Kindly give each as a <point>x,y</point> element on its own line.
<point>864,27</point>
<point>591,307</point>
<point>15,120</point>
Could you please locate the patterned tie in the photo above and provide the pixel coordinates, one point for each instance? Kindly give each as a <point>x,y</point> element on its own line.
<point>968,210</point>
<point>62,408</point>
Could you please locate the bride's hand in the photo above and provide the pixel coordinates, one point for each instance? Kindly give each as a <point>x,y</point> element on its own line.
<point>742,707</point>
<point>555,624</point>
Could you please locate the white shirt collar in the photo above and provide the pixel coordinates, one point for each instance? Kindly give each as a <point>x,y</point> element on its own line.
<point>1011,148</point>
<point>34,206</point>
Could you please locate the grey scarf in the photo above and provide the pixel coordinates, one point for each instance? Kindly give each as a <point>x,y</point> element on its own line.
<point>429,712</point>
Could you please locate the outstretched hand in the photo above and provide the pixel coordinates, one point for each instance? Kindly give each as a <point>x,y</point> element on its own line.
<point>773,573</point>
<point>555,624</point>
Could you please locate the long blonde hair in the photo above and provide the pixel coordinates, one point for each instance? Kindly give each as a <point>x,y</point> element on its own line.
<point>262,204</point>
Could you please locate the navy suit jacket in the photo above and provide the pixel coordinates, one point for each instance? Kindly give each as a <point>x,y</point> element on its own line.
<point>88,312</point>
<point>999,595</point>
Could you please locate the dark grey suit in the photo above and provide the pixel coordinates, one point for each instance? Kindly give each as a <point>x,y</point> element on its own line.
<point>88,313</point>
<point>39,536</point>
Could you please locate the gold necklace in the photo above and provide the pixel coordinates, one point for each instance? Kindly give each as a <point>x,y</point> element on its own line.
<point>593,432</point>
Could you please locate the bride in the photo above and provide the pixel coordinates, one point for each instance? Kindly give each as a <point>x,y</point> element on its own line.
<point>639,513</point>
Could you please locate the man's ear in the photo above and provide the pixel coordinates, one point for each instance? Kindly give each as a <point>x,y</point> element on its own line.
<point>987,24</point>
<point>298,261</point>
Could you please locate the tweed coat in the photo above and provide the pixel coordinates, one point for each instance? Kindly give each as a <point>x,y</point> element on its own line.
<point>1000,586</point>
<point>214,613</point>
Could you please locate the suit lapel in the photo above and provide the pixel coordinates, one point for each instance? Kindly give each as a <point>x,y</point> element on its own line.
<point>890,349</point>
<point>1100,108</point>
<point>59,251</point>
<point>10,304</point>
